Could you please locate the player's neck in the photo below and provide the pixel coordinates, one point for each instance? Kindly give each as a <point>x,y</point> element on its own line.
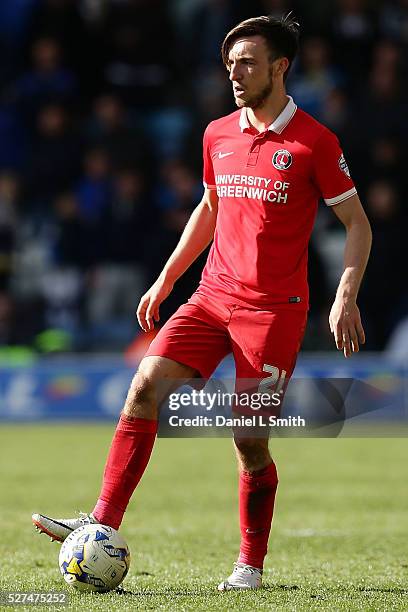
<point>261,118</point>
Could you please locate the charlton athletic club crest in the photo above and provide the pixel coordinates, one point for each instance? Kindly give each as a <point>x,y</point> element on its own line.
<point>282,159</point>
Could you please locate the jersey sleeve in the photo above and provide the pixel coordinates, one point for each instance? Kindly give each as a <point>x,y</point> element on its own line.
<point>330,170</point>
<point>208,170</point>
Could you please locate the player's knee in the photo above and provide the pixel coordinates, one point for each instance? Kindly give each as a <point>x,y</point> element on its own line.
<point>141,398</point>
<point>252,452</point>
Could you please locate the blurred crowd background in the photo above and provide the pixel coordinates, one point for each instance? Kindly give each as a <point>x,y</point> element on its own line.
<point>102,110</point>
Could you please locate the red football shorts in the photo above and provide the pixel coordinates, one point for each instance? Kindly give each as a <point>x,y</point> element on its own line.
<point>203,331</point>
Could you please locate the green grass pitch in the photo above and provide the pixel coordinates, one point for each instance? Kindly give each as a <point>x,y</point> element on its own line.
<point>339,539</point>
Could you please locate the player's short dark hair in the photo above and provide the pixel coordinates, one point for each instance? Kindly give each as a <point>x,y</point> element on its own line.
<point>280,35</point>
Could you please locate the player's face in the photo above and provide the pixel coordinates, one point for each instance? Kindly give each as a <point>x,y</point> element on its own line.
<point>251,71</point>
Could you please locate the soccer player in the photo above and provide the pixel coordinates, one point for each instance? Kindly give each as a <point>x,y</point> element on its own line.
<point>265,167</point>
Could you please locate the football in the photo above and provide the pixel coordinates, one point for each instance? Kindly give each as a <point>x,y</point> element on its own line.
<point>94,558</point>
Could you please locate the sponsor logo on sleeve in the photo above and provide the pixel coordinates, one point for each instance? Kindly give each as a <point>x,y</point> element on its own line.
<point>343,165</point>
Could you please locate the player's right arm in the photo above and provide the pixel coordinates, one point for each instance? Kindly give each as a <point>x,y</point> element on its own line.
<point>196,236</point>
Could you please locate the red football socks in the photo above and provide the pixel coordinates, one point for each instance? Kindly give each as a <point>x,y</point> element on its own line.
<point>128,457</point>
<point>256,500</point>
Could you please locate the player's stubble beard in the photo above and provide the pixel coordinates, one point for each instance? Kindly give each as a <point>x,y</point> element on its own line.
<point>258,100</point>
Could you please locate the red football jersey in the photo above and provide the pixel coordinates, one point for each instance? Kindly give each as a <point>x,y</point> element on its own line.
<point>268,185</point>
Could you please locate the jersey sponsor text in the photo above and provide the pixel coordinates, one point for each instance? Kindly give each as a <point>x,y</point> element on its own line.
<point>251,187</point>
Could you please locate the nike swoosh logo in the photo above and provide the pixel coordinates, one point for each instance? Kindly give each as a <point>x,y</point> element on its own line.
<point>221,155</point>
<point>254,530</point>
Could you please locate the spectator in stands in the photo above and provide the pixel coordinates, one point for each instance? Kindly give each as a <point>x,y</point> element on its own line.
<point>94,189</point>
<point>72,243</point>
<point>386,160</point>
<point>20,322</point>
<point>8,226</point>
<point>62,21</point>
<point>381,103</point>
<point>139,51</point>
<point>353,30</point>
<point>14,19</point>
<point>178,193</point>
<point>393,20</point>
<point>335,114</point>
<point>112,128</point>
<point>383,284</point>
<point>53,163</point>
<point>129,215</point>
<point>315,78</point>
<point>317,334</point>
<point>119,279</point>
<point>62,281</point>
<point>47,81</point>
<point>270,7</point>
<point>93,193</point>
<point>209,24</point>
<point>13,139</point>
<point>212,99</point>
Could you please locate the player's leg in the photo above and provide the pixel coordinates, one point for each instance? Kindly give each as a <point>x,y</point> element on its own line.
<point>131,446</point>
<point>258,481</point>
<point>265,343</point>
<point>135,435</point>
<point>190,344</point>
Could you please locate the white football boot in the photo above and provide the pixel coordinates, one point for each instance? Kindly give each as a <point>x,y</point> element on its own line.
<point>243,577</point>
<point>59,529</point>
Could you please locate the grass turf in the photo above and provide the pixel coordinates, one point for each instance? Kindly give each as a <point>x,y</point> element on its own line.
<point>339,540</point>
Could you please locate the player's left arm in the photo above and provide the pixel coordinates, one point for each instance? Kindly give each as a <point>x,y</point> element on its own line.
<point>344,320</point>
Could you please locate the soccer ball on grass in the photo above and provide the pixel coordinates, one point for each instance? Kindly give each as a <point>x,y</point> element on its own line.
<point>94,558</point>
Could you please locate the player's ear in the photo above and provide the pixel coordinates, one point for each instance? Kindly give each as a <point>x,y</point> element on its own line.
<point>280,66</point>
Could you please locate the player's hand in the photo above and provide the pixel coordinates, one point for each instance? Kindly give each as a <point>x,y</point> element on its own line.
<point>345,325</point>
<point>148,309</point>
